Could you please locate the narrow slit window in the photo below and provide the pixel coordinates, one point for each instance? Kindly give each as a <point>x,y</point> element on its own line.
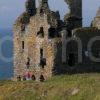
<point>22,44</point>
<point>41,53</point>
<point>42,59</point>
<point>28,63</point>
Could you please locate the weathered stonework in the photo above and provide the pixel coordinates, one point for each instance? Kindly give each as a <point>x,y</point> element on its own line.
<point>75,13</point>
<point>35,41</point>
<point>96,21</point>
<point>39,34</point>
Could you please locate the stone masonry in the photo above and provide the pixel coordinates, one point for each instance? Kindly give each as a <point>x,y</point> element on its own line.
<point>35,41</point>
<point>38,37</point>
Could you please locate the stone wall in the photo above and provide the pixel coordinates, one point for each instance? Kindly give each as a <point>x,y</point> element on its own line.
<point>96,21</point>
<point>35,43</point>
<point>75,14</point>
<point>38,39</point>
<point>86,35</point>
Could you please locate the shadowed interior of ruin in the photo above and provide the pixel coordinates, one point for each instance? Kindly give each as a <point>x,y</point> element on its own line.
<point>72,66</point>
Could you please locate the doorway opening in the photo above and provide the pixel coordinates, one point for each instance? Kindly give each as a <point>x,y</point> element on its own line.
<point>42,78</point>
<point>24,78</point>
<point>19,78</point>
<point>71,59</point>
<point>33,77</point>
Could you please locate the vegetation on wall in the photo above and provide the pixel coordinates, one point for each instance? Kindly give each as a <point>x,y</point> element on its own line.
<point>23,18</point>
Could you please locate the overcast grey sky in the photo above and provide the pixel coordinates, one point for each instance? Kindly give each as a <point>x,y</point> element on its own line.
<point>11,9</point>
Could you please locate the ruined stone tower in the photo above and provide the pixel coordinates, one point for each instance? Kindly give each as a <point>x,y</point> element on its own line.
<point>36,35</point>
<point>39,35</point>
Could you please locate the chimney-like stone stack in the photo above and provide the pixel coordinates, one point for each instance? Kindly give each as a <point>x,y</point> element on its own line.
<point>30,7</point>
<point>75,14</point>
<point>43,6</point>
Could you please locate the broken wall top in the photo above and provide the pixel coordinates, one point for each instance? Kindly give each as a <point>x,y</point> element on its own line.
<point>75,7</point>
<point>53,18</point>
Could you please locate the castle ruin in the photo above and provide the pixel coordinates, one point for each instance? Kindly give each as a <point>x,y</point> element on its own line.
<point>38,36</point>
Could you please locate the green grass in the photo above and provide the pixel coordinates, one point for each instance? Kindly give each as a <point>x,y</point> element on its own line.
<point>64,87</point>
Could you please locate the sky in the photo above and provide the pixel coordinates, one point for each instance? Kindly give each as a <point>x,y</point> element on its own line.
<point>11,9</point>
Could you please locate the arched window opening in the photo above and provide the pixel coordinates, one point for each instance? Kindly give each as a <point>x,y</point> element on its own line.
<point>41,32</point>
<point>41,11</point>
<point>73,53</point>
<point>22,44</point>
<point>42,59</point>
<point>19,78</point>
<point>71,59</point>
<point>33,77</point>
<point>43,62</point>
<point>52,32</point>
<point>24,78</point>
<point>42,78</point>
<point>23,27</point>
